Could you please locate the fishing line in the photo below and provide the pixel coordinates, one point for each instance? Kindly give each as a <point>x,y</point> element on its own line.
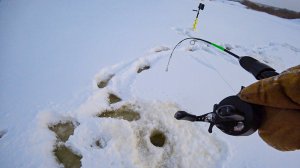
<point>220,75</point>
<point>192,42</point>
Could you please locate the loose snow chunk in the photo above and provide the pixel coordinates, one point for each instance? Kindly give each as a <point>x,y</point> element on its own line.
<point>159,49</point>
<point>191,48</point>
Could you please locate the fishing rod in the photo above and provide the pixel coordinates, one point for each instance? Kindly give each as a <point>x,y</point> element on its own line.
<point>205,41</point>
<point>258,69</point>
<point>232,115</point>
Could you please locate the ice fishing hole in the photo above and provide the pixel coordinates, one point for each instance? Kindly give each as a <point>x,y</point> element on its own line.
<point>158,138</point>
<point>100,143</point>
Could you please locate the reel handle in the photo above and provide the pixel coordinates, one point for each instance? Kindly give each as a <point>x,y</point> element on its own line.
<point>182,115</point>
<point>209,117</point>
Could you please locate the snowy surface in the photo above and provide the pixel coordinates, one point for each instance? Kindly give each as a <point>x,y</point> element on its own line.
<point>53,53</point>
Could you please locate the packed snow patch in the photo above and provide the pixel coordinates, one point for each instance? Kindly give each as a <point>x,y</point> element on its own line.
<point>125,131</point>
<point>128,143</point>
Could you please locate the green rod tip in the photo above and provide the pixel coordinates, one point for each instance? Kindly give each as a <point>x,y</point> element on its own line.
<point>217,46</point>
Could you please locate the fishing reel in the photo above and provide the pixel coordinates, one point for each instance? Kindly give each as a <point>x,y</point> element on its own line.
<point>232,116</point>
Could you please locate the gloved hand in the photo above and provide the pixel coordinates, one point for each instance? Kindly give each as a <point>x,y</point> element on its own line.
<point>280,98</point>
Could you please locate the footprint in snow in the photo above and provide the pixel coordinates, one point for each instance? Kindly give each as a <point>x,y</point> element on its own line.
<point>124,127</point>
<point>103,81</point>
<point>65,155</point>
<point>2,133</point>
<point>183,31</point>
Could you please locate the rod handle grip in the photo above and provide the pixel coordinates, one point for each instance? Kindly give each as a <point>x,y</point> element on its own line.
<point>258,69</point>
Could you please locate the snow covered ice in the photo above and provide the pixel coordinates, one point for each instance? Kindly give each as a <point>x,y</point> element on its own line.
<point>48,61</point>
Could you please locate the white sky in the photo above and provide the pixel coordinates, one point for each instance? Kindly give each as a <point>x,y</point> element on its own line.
<point>288,4</point>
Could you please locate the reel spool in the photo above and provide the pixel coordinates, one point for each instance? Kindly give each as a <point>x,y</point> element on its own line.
<point>244,118</point>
